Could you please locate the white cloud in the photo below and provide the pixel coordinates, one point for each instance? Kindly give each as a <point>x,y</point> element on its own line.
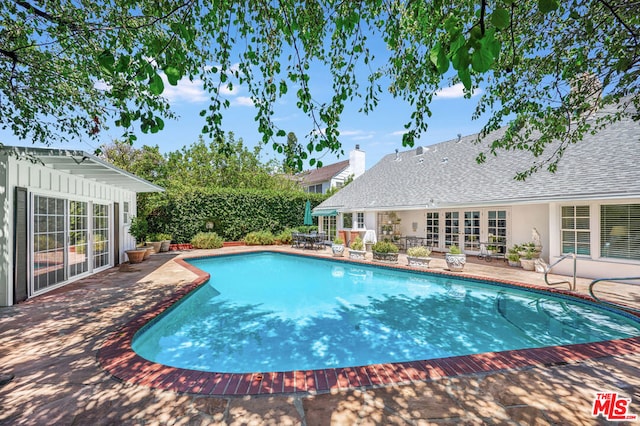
<point>102,85</point>
<point>454,92</point>
<point>185,91</point>
<point>242,101</point>
<point>357,135</point>
<point>398,133</point>
<point>226,91</point>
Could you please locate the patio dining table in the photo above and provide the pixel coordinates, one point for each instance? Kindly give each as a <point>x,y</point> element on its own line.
<point>310,241</point>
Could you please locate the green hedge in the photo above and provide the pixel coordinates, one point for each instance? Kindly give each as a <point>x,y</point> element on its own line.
<point>231,213</point>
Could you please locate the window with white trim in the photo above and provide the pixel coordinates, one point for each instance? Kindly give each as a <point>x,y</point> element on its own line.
<point>347,220</point>
<point>576,232</point>
<point>360,220</point>
<point>125,212</point>
<point>620,231</point>
<point>315,189</point>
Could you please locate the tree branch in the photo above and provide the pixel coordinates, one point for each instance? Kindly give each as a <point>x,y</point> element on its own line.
<point>622,22</point>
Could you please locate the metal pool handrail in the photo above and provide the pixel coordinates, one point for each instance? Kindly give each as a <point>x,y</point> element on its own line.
<point>548,269</point>
<point>612,304</point>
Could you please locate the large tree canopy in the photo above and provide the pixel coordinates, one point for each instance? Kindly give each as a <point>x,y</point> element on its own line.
<point>68,67</point>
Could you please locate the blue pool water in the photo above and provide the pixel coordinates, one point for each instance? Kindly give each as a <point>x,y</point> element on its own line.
<point>275,312</point>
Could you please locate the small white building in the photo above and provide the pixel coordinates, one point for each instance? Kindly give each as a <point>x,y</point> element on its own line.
<point>65,215</point>
<point>320,180</point>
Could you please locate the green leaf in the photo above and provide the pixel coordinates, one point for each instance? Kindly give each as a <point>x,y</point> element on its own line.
<point>439,58</point>
<point>481,59</point>
<point>173,75</point>
<point>106,60</point>
<point>500,18</point>
<point>546,6</point>
<point>465,77</point>
<point>156,86</point>
<point>281,133</point>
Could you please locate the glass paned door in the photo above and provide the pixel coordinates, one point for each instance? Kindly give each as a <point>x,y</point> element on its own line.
<point>432,233</point>
<point>78,238</point>
<point>100,235</point>
<point>472,231</point>
<point>451,229</point>
<point>497,229</point>
<point>329,227</point>
<point>48,242</point>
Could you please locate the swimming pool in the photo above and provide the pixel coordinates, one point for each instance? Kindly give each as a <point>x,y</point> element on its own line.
<point>274,312</point>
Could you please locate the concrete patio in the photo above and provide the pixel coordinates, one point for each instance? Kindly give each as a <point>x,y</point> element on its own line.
<point>50,342</point>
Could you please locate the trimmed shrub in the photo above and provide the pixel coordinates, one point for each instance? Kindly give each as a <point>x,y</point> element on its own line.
<point>206,240</point>
<point>259,238</point>
<point>385,247</point>
<point>418,252</point>
<point>230,213</point>
<point>357,244</point>
<point>285,236</point>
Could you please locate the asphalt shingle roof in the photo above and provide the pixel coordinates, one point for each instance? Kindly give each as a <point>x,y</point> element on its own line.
<point>323,174</point>
<point>604,165</point>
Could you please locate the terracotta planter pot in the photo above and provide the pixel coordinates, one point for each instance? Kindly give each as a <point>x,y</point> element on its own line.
<point>156,245</point>
<point>148,251</point>
<point>136,256</point>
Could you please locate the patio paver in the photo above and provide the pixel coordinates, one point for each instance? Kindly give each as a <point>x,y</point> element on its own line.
<point>50,344</point>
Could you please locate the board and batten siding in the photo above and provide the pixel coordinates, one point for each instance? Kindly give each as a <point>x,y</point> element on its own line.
<point>41,180</point>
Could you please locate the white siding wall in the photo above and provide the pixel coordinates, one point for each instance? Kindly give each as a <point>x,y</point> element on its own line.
<point>524,218</point>
<point>55,183</point>
<point>593,266</point>
<point>6,244</point>
<point>406,224</point>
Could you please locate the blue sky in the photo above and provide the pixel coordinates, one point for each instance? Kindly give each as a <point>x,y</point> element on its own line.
<point>378,133</point>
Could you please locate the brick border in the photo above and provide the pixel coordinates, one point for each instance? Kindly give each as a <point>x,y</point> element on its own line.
<point>118,358</point>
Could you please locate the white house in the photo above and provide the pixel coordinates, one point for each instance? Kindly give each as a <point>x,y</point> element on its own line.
<point>334,175</point>
<point>441,196</point>
<point>65,215</point>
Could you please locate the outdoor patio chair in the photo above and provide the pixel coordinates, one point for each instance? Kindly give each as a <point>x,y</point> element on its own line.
<point>318,241</point>
<point>296,240</point>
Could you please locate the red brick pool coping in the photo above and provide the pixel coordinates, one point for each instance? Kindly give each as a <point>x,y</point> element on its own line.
<point>118,358</point>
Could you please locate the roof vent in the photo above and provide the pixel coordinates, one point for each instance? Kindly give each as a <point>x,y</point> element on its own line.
<point>419,150</point>
<point>421,160</point>
<point>444,160</point>
<point>397,155</point>
<point>459,137</point>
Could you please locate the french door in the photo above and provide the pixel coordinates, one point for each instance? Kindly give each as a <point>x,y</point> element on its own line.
<point>69,238</point>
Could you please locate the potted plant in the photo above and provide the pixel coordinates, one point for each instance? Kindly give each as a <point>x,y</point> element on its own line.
<point>138,229</point>
<point>337,247</point>
<point>165,239</point>
<point>418,256</point>
<point>357,249</point>
<point>528,261</point>
<point>455,259</point>
<point>531,248</point>
<point>385,251</point>
<point>513,258</point>
<point>155,242</point>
